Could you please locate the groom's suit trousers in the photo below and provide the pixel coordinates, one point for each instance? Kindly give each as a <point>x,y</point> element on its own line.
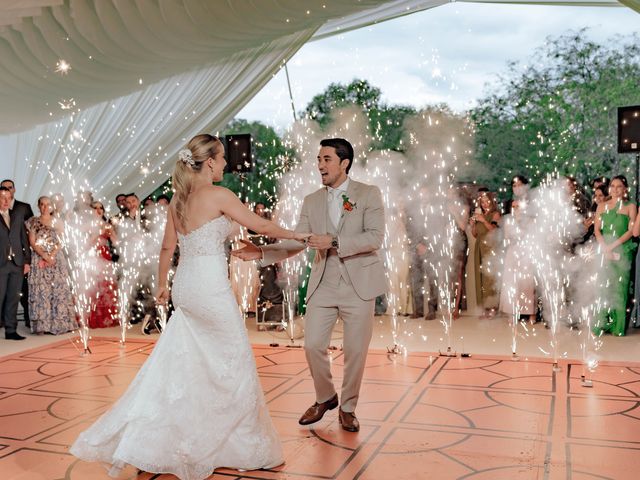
<point>335,297</point>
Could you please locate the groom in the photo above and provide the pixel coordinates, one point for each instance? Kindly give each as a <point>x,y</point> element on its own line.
<point>346,219</point>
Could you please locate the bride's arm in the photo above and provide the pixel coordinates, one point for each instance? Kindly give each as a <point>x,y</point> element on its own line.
<point>231,206</point>
<point>169,242</point>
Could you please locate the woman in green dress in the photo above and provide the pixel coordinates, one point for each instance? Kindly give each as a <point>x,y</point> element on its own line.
<point>483,222</point>
<point>614,228</point>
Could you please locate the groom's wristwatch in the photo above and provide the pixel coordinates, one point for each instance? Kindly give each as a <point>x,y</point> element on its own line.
<point>334,243</point>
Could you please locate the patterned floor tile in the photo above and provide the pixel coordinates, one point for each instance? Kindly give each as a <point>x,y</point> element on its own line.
<point>422,416</point>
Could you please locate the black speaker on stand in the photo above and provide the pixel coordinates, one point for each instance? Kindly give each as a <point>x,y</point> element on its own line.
<point>238,149</point>
<point>629,137</point>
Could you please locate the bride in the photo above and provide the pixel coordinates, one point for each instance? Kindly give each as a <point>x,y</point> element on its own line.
<point>196,404</point>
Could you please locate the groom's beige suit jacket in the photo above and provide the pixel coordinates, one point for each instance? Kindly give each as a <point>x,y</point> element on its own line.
<point>360,233</point>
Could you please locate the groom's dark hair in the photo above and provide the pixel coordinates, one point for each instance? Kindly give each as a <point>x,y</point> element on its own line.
<point>344,149</point>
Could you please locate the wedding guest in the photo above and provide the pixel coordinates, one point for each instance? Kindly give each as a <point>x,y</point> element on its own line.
<point>148,202</point>
<point>121,202</point>
<point>614,227</point>
<point>459,211</point>
<point>422,288</point>
<point>270,295</point>
<point>519,191</point>
<point>131,230</point>
<point>163,200</point>
<point>104,305</point>
<point>578,197</point>
<point>397,246</point>
<point>517,294</point>
<point>134,213</point>
<point>15,257</point>
<point>58,209</point>
<point>50,298</point>
<point>600,182</point>
<point>484,221</point>
<point>23,212</point>
<point>600,194</point>
<point>98,207</point>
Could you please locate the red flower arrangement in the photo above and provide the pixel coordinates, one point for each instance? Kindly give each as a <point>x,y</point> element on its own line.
<point>347,206</point>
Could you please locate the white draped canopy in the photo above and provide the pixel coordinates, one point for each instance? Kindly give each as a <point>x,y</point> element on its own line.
<point>145,76</point>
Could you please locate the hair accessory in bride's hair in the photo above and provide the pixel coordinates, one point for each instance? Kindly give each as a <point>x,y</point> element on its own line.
<point>186,156</point>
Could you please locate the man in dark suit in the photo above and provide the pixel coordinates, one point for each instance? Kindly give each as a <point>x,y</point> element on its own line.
<point>23,213</point>
<point>15,258</point>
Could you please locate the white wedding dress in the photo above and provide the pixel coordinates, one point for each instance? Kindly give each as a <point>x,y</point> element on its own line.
<point>196,404</point>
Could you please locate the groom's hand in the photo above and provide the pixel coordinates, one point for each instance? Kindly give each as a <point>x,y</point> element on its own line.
<point>248,252</point>
<point>320,242</point>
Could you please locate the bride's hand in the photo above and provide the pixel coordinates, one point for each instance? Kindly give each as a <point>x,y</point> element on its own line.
<point>301,237</point>
<point>162,295</point>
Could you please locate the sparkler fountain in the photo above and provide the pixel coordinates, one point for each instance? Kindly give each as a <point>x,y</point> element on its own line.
<point>554,228</point>
<point>78,233</point>
<point>131,250</point>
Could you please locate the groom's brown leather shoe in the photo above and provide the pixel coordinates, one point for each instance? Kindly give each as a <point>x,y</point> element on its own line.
<point>316,411</point>
<point>348,421</point>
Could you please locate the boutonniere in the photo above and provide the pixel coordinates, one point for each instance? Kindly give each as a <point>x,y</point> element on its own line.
<point>347,206</point>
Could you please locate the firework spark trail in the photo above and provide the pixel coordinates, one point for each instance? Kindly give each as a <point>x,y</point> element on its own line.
<point>588,302</point>
<point>244,275</point>
<point>438,146</point>
<point>157,220</point>
<point>554,228</point>
<point>131,243</point>
<point>382,170</point>
<point>437,153</point>
<point>79,233</point>
<point>302,179</point>
<point>517,275</point>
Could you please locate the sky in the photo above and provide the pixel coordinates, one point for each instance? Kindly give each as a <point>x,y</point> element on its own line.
<point>450,54</point>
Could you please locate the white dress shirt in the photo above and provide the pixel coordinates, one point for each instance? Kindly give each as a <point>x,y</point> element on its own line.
<point>334,199</point>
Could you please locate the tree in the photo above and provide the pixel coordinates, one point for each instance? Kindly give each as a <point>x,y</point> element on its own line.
<point>559,112</point>
<point>385,121</point>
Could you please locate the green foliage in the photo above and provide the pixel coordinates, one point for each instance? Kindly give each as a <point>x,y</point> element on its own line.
<point>559,112</point>
<point>385,121</point>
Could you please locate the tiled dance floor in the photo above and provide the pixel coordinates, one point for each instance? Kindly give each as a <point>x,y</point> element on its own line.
<point>422,416</point>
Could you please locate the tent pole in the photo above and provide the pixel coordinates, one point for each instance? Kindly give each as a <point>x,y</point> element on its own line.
<point>293,108</point>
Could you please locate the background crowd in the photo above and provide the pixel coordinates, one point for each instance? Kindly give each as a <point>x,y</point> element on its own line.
<point>494,262</point>
<point>493,270</point>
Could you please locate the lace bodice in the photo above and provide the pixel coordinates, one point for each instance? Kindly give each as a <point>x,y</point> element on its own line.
<point>208,239</point>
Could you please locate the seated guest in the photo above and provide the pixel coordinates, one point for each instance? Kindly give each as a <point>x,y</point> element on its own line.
<point>614,227</point>
<point>15,257</point>
<point>23,212</point>
<point>50,298</point>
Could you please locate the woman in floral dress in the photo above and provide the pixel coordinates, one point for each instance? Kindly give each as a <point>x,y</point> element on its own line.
<point>50,299</point>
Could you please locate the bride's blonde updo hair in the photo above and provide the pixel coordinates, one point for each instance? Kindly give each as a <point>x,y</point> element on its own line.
<point>190,162</point>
